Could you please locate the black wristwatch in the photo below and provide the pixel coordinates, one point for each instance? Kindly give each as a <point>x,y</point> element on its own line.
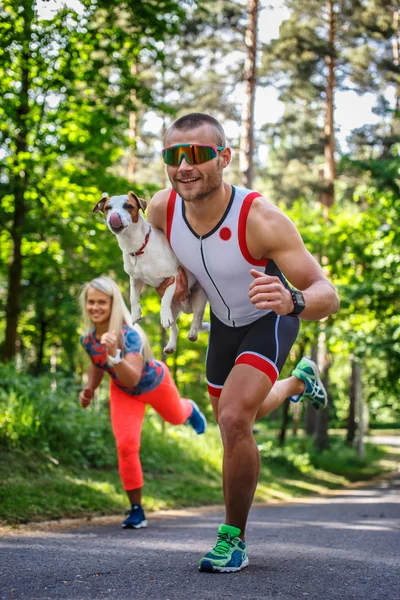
<point>298,302</point>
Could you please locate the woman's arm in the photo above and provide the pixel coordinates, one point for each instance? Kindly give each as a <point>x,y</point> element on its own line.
<point>95,375</point>
<point>129,370</point>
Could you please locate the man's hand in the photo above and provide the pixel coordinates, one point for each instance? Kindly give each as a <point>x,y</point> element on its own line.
<point>109,340</point>
<point>85,397</point>
<point>269,293</point>
<point>181,292</point>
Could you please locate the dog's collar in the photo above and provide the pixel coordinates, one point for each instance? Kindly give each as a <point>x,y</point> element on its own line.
<point>143,246</point>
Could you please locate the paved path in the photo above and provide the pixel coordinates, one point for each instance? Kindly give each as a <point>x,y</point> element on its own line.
<point>346,547</point>
<point>384,440</point>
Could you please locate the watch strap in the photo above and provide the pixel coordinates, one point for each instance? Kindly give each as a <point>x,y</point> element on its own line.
<point>298,303</point>
<point>117,358</point>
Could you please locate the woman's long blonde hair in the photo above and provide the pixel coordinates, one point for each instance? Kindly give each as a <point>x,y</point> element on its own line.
<point>119,316</point>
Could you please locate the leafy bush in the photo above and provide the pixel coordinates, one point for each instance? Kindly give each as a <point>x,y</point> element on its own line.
<point>43,413</point>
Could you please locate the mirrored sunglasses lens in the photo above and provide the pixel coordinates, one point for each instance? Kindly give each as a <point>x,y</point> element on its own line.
<point>193,154</point>
<point>171,156</point>
<point>203,153</point>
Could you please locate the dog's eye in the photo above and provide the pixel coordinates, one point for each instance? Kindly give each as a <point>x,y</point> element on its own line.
<point>128,206</point>
<point>108,207</point>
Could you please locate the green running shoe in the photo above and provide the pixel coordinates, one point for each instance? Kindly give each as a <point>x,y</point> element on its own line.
<point>307,371</point>
<point>229,553</point>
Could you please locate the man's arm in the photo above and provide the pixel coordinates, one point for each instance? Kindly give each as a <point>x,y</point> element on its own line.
<point>157,216</point>
<point>157,210</point>
<point>271,234</point>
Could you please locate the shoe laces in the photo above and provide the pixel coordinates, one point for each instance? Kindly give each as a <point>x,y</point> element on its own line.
<point>224,544</point>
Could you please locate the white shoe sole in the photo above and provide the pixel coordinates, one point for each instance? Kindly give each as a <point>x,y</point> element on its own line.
<point>142,524</point>
<point>244,564</point>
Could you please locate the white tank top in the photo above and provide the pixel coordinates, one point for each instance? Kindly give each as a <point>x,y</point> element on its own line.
<point>220,260</point>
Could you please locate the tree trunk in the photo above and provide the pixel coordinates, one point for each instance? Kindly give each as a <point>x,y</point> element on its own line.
<point>175,364</point>
<point>285,421</point>
<point>246,155</point>
<point>321,440</point>
<point>133,131</point>
<point>310,418</point>
<point>351,420</point>
<point>360,409</point>
<point>327,196</point>
<point>42,339</point>
<point>296,412</point>
<point>19,186</point>
<point>164,182</point>
<point>396,59</point>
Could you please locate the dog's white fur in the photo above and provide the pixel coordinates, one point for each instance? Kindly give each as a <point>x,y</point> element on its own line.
<point>156,263</point>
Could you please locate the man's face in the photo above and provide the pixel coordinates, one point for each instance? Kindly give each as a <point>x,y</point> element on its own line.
<point>195,182</point>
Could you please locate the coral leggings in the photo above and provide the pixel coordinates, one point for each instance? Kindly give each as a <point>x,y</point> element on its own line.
<point>127,414</point>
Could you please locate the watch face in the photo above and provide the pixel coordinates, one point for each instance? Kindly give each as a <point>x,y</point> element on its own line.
<point>300,299</point>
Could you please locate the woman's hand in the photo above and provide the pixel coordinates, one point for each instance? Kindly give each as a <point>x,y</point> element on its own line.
<point>109,340</point>
<point>85,396</point>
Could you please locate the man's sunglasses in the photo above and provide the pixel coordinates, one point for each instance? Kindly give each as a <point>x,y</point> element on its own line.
<point>194,154</point>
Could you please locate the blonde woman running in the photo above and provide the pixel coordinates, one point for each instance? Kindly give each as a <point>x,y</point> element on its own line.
<point>137,379</point>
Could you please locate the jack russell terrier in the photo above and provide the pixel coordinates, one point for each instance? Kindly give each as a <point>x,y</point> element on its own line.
<point>148,258</point>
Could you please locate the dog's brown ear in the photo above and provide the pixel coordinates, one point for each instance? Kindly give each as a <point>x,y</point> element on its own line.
<point>139,201</point>
<point>100,205</point>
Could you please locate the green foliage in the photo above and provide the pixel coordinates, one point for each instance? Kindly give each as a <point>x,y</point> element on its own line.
<point>43,414</point>
<point>181,469</point>
<point>72,83</point>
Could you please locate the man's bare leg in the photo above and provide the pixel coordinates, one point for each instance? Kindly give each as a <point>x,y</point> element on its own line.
<point>242,396</point>
<point>280,391</point>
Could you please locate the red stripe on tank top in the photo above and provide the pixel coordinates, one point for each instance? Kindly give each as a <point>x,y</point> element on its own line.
<point>244,211</point>
<point>170,213</point>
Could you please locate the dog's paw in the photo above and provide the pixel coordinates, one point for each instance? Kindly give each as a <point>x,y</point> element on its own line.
<point>167,320</point>
<point>192,336</point>
<point>169,349</point>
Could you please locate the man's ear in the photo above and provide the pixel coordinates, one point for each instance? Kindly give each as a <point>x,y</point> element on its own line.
<point>139,201</point>
<point>226,156</point>
<point>100,205</point>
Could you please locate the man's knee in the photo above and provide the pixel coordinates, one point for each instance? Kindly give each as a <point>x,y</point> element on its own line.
<point>234,423</point>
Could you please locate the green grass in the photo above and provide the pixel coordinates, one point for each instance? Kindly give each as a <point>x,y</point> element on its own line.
<point>181,469</point>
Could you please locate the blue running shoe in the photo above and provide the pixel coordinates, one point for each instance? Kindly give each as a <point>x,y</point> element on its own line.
<point>197,420</point>
<point>136,518</point>
<point>314,390</point>
<point>229,553</point>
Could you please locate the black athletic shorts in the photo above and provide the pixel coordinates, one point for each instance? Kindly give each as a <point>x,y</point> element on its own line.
<point>264,344</point>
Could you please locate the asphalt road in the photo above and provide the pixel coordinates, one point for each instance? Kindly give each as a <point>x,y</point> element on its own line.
<point>346,547</point>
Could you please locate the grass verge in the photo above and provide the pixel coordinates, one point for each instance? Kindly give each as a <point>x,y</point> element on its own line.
<point>181,469</point>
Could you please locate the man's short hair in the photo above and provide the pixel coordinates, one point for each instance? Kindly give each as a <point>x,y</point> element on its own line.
<point>195,120</point>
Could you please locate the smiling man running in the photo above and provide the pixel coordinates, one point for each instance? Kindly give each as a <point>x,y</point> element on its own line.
<point>242,250</point>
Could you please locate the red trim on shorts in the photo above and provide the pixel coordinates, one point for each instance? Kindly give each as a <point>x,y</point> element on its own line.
<point>170,213</point>
<point>259,362</point>
<point>214,391</point>
<point>244,211</point>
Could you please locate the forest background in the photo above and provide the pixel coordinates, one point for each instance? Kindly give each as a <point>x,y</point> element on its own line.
<point>77,93</point>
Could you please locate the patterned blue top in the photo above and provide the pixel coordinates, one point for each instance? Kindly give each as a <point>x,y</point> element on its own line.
<point>153,370</point>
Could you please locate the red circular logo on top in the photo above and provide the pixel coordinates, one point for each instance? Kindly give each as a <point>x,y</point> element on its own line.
<point>225,234</point>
